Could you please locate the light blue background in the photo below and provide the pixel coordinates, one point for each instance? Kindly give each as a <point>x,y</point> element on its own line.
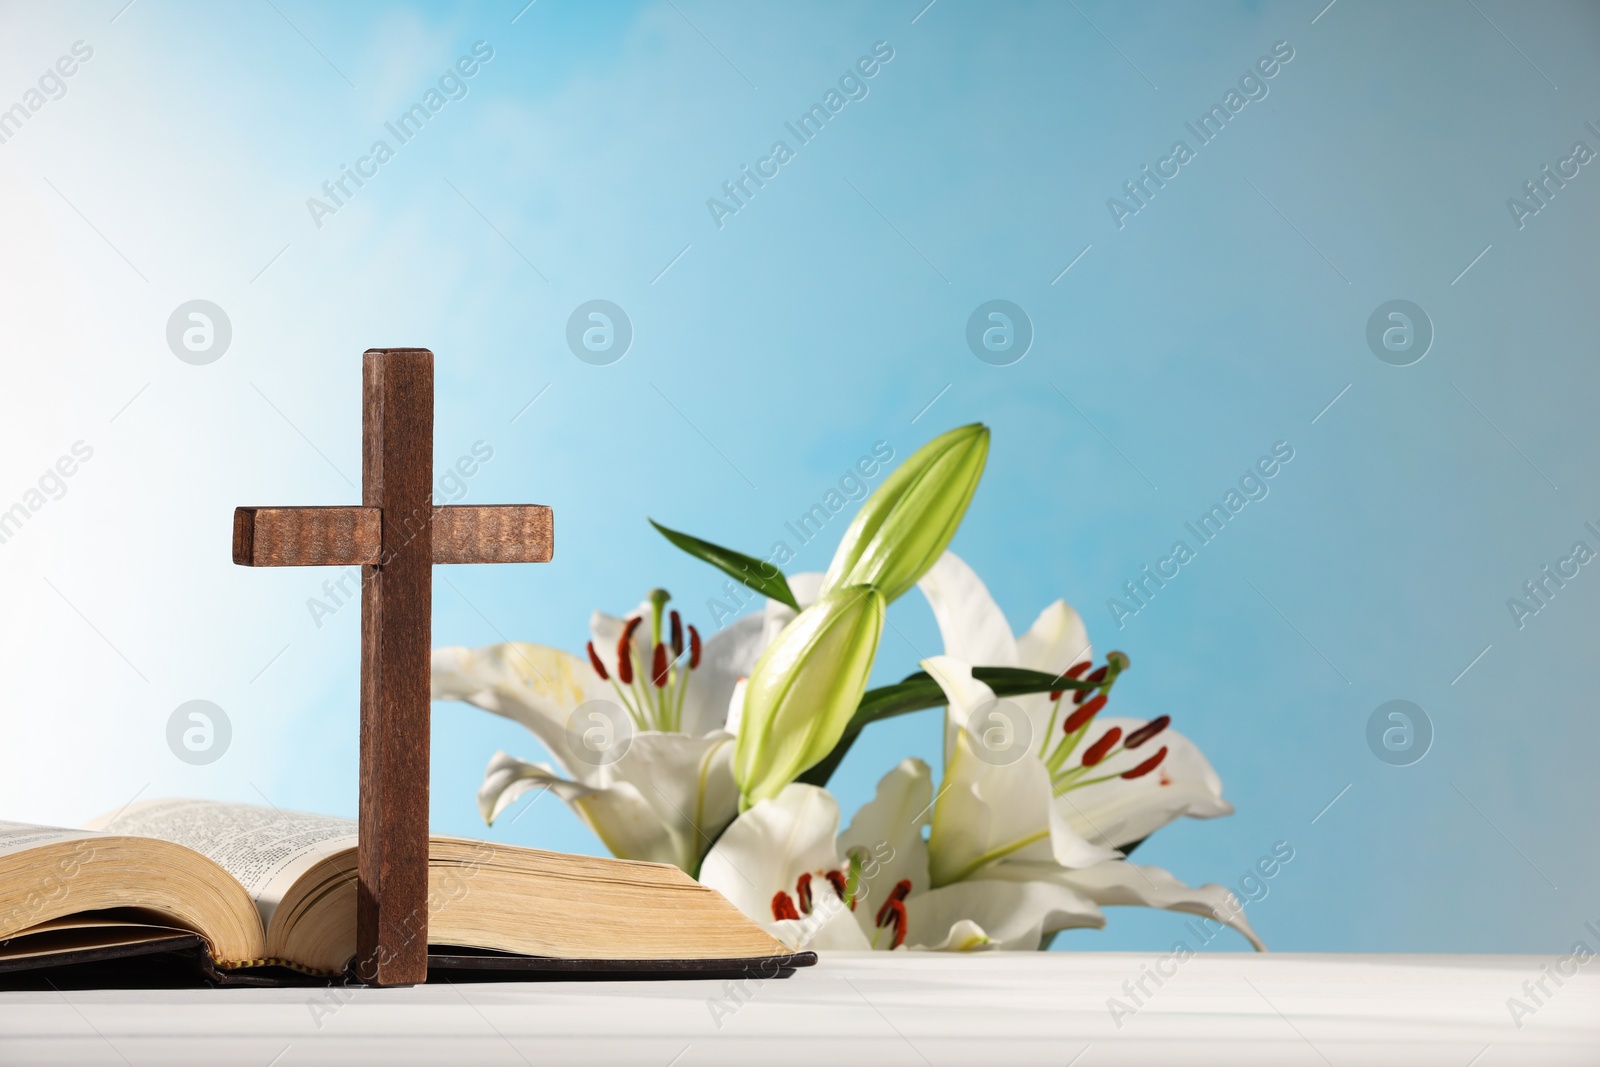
<point>824,317</point>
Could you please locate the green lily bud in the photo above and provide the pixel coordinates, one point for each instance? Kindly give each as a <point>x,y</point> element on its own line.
<point>804,689</point>
<point>906,525</point>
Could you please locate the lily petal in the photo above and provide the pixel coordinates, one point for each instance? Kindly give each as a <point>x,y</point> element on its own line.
<point>1120,882</point>
<point>507,778</point>
<point>967,695</point>
<point>770,845</point>
<point>619,815</point>
<point>964,936</point>
<point>888,829</point>
<point>1001,914</point>
<point>726,657</point>
<point>986,812</point>
<point>971,702</point>
<point>972,625</point>
<point>1056,640</point>
<point>536,686</point>
<point>831,927</point>
<point>686,781</point>
<point>1121,811</point>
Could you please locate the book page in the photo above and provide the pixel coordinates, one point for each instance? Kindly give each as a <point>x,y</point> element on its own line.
<point>264,848</point>
<point>20,836</point>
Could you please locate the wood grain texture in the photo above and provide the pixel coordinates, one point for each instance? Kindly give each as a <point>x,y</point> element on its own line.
<point>493,533</point>
<point>396,536</point>
<point>306,537</point>
<point>351,536</point>
<point>396,612</point>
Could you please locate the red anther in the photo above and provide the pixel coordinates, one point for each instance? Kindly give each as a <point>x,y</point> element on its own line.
<point>624,660</point>
<point>897,919</point>
<point>1148,765</point>
<point>802,890</point>
<point>599,667</point>
<point>694,648</point>
<point>840,884</point>
<point>1055,695</point>
<point>625,651</point>
<point>1076,720</point>
<point>658,667</point>
<point>896,895</point>
<point>677,635</point>
<point>1076,669</point>
<point>1147,731</point>
<point>1098,750</point>
<point>783,907</point>
<point>1098,676</point>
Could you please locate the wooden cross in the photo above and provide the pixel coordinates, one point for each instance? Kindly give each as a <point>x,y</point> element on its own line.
<point>396,536</point>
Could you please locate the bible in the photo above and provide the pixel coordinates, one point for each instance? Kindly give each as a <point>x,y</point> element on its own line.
<point>241,894</point>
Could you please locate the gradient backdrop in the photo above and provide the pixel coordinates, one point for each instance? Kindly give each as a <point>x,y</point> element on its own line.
<point>827,314</point>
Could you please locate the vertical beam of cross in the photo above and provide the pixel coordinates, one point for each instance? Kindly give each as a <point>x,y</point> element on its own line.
<point>396,609</point>
<point>396,536</point>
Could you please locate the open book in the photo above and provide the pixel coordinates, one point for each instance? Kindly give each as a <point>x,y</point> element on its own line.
<point>256,891</point>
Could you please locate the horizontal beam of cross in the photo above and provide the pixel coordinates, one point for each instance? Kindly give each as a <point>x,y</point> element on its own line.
<point>350,536</point>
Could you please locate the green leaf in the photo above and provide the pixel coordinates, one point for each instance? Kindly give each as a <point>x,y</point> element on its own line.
<point>917,692</point>
<point>757,574</point>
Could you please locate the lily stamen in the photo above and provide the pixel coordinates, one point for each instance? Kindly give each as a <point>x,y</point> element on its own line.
<point>841,887</point>
<point>1080,716</point>
<point>1098,676</point>
<point>854,861</point>
<point>1148,765</point>
<point>1101,748</point>
<point>783,907</point>
<point>658,667</point>
<point>893,912</point>
<point>1055,702</point>
<point>1147,731</point>
<point>625,651</point>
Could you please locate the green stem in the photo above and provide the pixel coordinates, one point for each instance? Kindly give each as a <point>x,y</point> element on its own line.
<point>1067,787</point>
<point>634,714</point>
<point>1055,710</point>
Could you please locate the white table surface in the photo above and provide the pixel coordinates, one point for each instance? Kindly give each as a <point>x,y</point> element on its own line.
<point>852,1011</point>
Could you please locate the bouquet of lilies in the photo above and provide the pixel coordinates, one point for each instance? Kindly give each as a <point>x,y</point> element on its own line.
<point>715,754</point>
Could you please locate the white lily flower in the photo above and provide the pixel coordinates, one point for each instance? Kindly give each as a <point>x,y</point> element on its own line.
<point>782,864</point>
<point>1020,845</point>
<point>1023,842</point>
<point>786,846</point>
<point>993,809</point>
<point>636,726</point>
<point>1101,801</point>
